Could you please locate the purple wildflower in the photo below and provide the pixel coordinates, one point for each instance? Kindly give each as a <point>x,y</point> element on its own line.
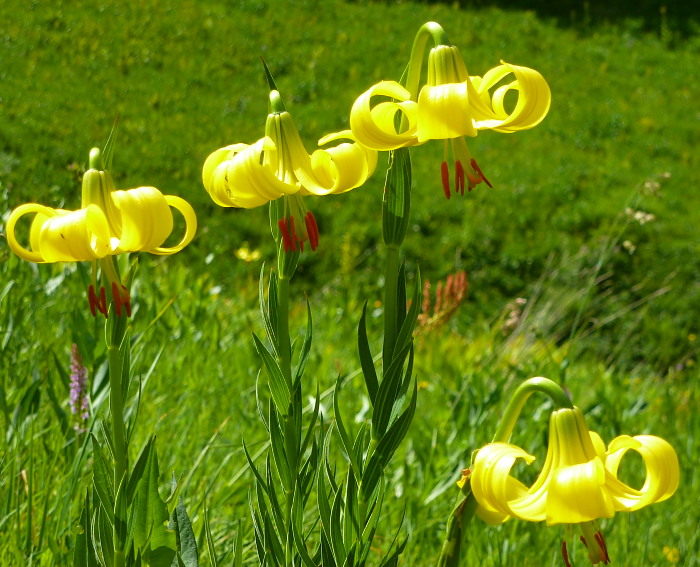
<point>79,403</point>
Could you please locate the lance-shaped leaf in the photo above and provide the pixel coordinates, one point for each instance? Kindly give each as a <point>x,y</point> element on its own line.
<point>279,388</point>
<point>156,543</point>
<point>102,475</point>
<point>184,536</point>
<point>366,361</point>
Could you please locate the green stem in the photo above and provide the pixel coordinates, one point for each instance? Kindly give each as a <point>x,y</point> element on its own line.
<point>284,344</point>
<point>391,280</point>
<point>459,519</point>
<point>115,336</point>
<point>517,401</point>
<point>415,65</point>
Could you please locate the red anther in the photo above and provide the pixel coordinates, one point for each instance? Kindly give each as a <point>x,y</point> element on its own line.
<point>445,173</point>
<point>565,554</point>
<point>286,239</point>
<point>312,229</point>
<point>97,304</point>
<point>481,173</point>
<point>120,301</point>
<point>459,177</point>
<point>604,548</point>
<point>583,539</point>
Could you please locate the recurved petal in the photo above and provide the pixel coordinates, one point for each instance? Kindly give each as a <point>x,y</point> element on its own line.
<point>493,486</point>
<point>41,215</point>
<point>576,494</point>
<point>662,471</point>
<point>534,99</point>
<point>444,112</point>
<point>146,220</point>
<point>75,236</point>
<point>342,167</point>
<point>247,179</point>
<point>215,159</point>
<point>375,127</point>
<point>190,225</point>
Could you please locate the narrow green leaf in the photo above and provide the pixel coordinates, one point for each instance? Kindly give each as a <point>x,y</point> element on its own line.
<point>102,475</point>
<point>327,558</point>
<point>297,521</point>
<point>388,391</point>
<point>324,508</point>
<point>366,361</point>
<point>344,438</point>
<point>157,544</point>
<point>120,516</point>
<point>336,535</point>
<point>405,336</point>
<point>84,547</point>
<point>237,547</point>
<point>351,523</point>
<point>305,346</point>
<point>279,453</point>
<point>270,329</point>
<point>272,307</point>
<point>309,435</point>
<point>278,518</point>
<point>184,536</point>
<point>279,389</point>
<point>139,468</point>
<point>103,534</point>
<point>386,447</point>
<point>213,561</point>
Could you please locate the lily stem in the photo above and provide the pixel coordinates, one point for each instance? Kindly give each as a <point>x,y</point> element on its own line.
<point>520,396</point>
<point>391,280</point>
<point>115,338</point>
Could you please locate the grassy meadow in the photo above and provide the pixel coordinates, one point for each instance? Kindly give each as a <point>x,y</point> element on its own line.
<point>592,220</point>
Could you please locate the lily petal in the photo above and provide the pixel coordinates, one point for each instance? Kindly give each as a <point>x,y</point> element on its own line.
<point>577,494</point>
<point>375,127</point>
<point>534,99</point>
<point>662,471</point>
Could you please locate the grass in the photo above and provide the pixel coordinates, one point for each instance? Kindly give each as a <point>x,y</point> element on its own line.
<point>612,304</point>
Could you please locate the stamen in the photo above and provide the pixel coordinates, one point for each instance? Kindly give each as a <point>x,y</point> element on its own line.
<point>312,229</point>
<point>295,236</point>
<point>97,304</point>
<point>604,548</point>
<point>565,554</point>
<point>445,173</point>
<point>473,181</point>
<point>120,301</point>
<point>459,177</point>
<point>478,170</point>
<point>286,239</point>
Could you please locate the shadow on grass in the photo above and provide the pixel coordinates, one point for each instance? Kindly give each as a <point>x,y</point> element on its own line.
<point>670,17</point>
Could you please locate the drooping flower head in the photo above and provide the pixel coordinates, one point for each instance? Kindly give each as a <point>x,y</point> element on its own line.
<point>578,483</point>
<point>109,223</point>
<point>278,165</point>
<point>451,105</point>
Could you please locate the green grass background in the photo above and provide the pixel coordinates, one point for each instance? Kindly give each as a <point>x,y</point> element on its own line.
<point>613,305</point>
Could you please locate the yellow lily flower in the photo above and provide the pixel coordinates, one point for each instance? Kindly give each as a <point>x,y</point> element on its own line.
<point>449,107</point>
<point>242,175</point>
<point>578,483</point>
<point>110,222</point>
